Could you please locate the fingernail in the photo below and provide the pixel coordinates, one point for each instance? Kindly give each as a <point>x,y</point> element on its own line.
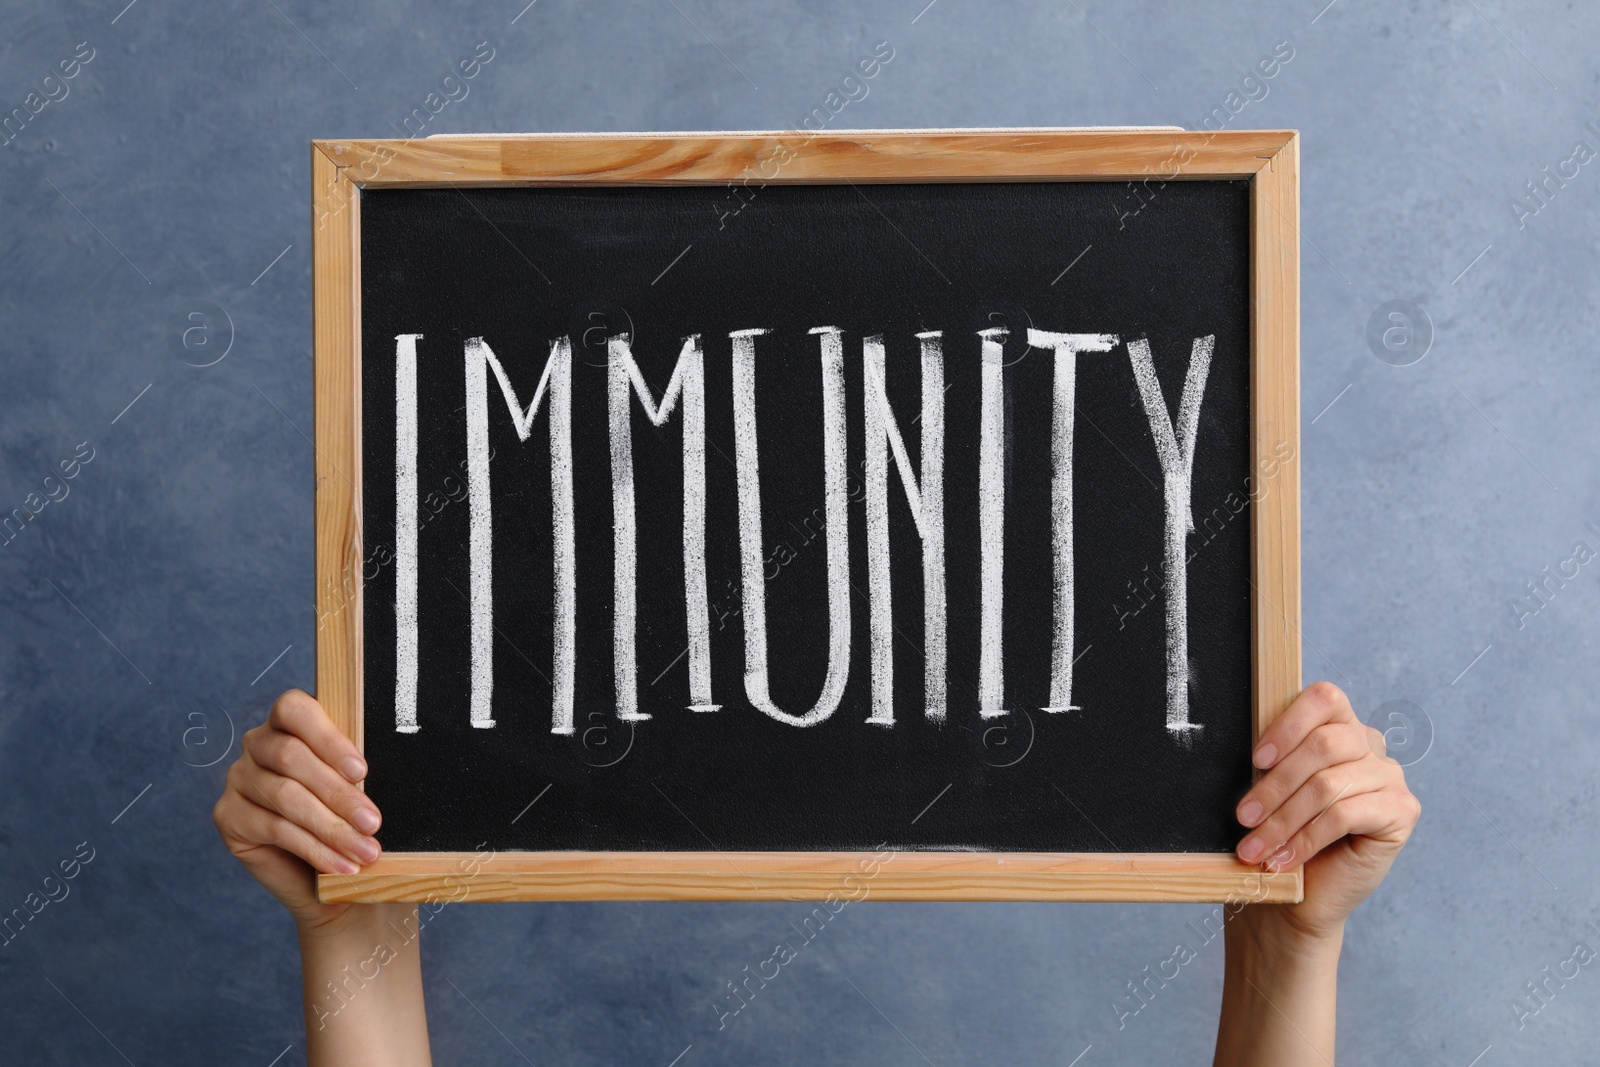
<point>1266,755</point>
<point>345,866</point>
<point>354,768</point>
<point>1280,859</point>
<point>367,848</point>
<point>367,820</point>
<point>1251,849</point>
<point>1250,814</point>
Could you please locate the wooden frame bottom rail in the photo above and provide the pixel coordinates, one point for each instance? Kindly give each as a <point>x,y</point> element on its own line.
<point>734,876</point>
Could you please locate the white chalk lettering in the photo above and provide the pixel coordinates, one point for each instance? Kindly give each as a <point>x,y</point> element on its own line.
<point>687,382</point>
<point>991,525</point>
<point>834,515</point>
<point>1175,448</point>
<point>927,512</point>
<point>886,450</point>
<point>1066,346</point>
<point>406,524</point>
<point>557,380</point>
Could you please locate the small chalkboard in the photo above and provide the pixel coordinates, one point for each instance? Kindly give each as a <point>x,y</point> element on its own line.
<point>788,515</point>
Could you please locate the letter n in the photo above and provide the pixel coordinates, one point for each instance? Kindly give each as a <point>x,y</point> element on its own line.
<point>926,499</point>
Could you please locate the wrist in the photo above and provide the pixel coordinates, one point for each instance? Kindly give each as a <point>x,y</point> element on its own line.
<point>1273,933</point>
<point>354,924</point>
<point>361,987</point>
<point>1280,988</point>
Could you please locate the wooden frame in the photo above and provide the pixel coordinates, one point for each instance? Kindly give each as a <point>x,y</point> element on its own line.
<point>1270,159</point>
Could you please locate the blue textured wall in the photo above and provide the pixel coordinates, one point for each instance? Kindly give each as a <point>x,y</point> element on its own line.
<point>142,610</point>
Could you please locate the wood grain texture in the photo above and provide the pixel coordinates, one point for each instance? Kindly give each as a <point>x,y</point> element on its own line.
<point>336,340</point>
<point>1275,412</point>
<point>1269,158</point>
<point>1018,876</point>
<point>801,157</point>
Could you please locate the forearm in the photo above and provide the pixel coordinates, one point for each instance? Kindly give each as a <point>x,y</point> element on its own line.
<point>362,983</point>
<point>1279,993</point>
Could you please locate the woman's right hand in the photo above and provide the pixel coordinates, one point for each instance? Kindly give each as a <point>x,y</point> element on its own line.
<point>292,806</point>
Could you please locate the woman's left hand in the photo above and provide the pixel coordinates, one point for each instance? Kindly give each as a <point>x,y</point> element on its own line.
<point>1330,800</point>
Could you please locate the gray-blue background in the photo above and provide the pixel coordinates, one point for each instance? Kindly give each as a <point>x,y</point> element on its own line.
<point>142,611</point>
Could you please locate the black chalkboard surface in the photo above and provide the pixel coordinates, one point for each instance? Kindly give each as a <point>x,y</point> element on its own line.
<point>656,479</point>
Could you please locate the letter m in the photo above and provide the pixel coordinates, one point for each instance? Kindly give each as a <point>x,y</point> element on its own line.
<point>556,382</point>
<point>688,383</point>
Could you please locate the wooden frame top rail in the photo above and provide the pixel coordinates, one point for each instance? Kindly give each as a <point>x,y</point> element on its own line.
<point>802,157</point>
